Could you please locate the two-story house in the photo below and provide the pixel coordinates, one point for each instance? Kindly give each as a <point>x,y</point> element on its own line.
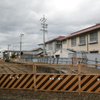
<point>52,46</point>
<point>87,40</point>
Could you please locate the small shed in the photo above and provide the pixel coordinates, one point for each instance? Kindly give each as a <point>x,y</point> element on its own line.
<point>62,53</point>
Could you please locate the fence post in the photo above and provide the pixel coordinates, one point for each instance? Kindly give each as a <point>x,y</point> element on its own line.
<point>34,77</point>
<point>50,60</point>
<point>41,59</point>
<point>44,59</point>
<point>79,76</point>
<point>53,61</point>
<point>72,60</point>
<point>57,60</point>
<point>96,62</point>
<point>38,59</point>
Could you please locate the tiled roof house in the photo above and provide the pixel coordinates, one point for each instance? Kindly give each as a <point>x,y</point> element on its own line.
<point>87,39</point>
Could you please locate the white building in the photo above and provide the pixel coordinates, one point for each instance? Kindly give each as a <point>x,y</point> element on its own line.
<point>52,46</point>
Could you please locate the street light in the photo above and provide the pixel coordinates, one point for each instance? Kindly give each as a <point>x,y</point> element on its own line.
<point>21,43</point>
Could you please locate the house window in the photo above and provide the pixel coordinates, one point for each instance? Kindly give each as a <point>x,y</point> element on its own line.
<point>93,51</point>
<point>93,38</point>
<point>64,41</point>
<point>58,44</point>
<point>73,42</point>
<point>82,40</point>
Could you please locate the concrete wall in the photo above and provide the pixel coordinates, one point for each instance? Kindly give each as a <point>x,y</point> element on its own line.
<point>61,53</point>
<point>65,45</point>
<point>93,56</point>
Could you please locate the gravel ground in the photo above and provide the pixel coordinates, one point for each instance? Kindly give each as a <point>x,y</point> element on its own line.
<point>41,95</point>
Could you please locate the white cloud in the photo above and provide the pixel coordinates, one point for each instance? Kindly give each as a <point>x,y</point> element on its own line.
<point>63,18</point>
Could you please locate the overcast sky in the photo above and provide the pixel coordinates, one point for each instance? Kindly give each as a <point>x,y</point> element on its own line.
<point>63,17</point>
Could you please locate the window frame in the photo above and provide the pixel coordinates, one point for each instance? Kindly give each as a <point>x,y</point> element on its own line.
<point>82,40</point>
<point>93,38</point>
<point>64,41</point>
<point>73,42</point>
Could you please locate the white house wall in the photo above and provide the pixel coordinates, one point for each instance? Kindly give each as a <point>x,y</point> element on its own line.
<point>61,53</point>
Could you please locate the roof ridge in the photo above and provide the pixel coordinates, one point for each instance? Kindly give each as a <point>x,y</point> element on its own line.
<point>57,38</point>
<point>98,24</point>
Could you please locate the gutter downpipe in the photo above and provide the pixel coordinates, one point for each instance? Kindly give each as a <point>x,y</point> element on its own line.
<point>87,44</point>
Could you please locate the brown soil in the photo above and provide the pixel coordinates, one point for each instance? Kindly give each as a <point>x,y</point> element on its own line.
<point>31,95</point>
<point>67,69</point>
<point>20,68</point>
<point>15,68</point>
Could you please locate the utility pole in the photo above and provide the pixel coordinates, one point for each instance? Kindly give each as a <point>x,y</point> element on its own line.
<point>21,43</point>
<point>8,51</point>
<point>44,26</point>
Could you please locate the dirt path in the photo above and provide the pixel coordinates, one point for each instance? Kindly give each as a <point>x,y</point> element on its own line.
<point>31,95</point>
<point>67,69</point>
<point>21,68</point>
<point>15,68</point>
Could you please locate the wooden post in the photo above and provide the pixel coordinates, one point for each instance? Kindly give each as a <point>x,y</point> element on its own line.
<point>79,76</point>
<point>34,77</point>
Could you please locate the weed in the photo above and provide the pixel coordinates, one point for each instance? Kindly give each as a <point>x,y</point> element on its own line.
<point>42,96</point>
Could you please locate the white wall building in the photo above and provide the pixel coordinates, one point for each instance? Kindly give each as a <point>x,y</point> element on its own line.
<point>53,45</point>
